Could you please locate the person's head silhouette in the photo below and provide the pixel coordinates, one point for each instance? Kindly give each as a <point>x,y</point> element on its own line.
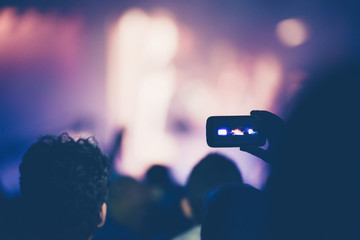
<point>235,211</point>
<point>314,189</point>
<point>64,185</point>
<point>212,172</point>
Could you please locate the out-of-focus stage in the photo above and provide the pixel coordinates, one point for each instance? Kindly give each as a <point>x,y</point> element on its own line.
<point>156,70</point>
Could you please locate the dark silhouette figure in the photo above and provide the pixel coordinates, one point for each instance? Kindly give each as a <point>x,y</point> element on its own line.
<point>165,215</point>
<point>116,147</point>
<point>235,211</point>
<point>313,191</point>
<point>211,173</point>
<point>158,175</point>
<point>64,185</point>
<point>315,185</point>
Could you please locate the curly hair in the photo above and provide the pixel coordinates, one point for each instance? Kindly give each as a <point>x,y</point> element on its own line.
<point>64,184</point>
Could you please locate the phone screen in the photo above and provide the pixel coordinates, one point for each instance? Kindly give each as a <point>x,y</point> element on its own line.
<point>232,131</point>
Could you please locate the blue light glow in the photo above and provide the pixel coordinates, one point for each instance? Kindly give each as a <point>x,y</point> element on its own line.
<point>222,132</point>
<point>251,131</point>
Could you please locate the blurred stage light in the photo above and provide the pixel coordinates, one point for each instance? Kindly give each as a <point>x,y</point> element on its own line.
<point>267,81</point>
<point>31,38</point>
<point>7,17</point>
<point>9,177</point>
<point>141,84</point>
<point>161,73</point>
<point>292,32</point>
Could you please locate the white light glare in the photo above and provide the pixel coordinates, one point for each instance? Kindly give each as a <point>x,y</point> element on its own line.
<point>251,131</point>
<point>237,132</point>
<point>222,132</point>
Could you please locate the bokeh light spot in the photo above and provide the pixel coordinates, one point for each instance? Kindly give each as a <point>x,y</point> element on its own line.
<point>292,32</point>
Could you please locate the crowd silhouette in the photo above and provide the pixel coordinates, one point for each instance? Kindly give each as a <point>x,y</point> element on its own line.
<point>312,191</point>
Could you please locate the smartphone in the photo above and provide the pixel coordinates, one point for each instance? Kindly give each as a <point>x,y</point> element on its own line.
<point>232,131</point>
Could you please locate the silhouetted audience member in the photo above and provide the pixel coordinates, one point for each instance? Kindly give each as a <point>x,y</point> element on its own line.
<point>166,195</point>
<point>64,185</point>
<point>211,173</point>
<point>316,183</point>
<point>236,211</point>
<point>313,191</point>
<point>158,175</point>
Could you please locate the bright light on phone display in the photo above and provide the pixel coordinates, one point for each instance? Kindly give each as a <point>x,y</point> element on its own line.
<point>251,131</point>
<point>222,132</point>
<point>232,131</point>
<point>236,132</point>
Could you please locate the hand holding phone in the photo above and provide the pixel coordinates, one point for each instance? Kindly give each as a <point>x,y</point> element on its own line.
<point>248,132</point>
<point>273,128</point>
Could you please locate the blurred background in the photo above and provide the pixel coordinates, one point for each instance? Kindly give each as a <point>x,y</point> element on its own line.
<point>148,73</point>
